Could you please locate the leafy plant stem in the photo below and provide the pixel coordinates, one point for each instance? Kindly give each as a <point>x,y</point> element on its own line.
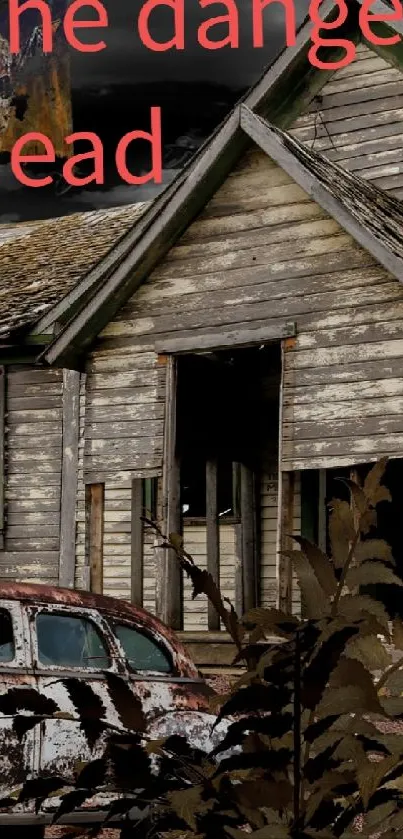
<point>297,727</point>
<point>345,571</point>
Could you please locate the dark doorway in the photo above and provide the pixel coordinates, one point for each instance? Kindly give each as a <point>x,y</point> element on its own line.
<point>227,415</point>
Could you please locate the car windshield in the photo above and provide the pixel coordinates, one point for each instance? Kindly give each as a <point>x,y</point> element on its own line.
<point>142,652</point>
<point>67,641</point>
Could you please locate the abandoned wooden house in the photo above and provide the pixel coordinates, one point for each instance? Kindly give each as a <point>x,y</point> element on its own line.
<point>217,356</point>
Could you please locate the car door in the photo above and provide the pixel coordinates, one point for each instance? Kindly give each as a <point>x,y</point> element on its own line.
<point>172,703</point>
<point>18,756</point>
<point>76,644</point>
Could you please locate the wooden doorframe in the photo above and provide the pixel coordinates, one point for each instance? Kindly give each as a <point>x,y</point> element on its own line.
<point>170,600</point>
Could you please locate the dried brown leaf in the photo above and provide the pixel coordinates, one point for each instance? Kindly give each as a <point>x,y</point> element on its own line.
<point>370,651</point>
<point>373,479</point>
<point>320,563</point>
<point>371,573</point>
<point>358,496</point>
<point>373,549</point>
<point>355,607</point>
<point>397,634</point>
<point>316,604</point>
<point>188,803</point>
<point>368,520</point>
<point>348,699</point>
<point>371,774</point>
<point>341,531</point>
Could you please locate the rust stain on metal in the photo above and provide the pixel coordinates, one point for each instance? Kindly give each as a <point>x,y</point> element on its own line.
<point>37,594</point>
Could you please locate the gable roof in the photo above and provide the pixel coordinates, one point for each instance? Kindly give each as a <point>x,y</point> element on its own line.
<point>42,260</point>
<point>374,218</point>
<point>283,91</point>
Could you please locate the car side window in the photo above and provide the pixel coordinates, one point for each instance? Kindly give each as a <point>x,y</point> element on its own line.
<point>7,649</point>
<point>70,641</point>
<point>142,652</point>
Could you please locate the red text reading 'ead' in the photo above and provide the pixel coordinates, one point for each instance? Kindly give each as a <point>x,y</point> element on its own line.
<point>324,33</point>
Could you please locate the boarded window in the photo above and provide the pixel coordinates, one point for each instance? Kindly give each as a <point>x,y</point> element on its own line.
<point>67,641</point>
<point>142,652</point>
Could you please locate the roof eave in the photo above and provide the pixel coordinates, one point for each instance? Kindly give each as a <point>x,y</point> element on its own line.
<point>172,219</point>
<point>264,136</point>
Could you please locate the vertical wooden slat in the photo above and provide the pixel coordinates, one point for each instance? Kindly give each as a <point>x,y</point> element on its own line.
<point>2,452</point>
<point>284,540</point>
<point>71,421</point>
<point>137,543</point>
<point>213,536</point>
<point>249,571</point>
<point>322,518</point>
<point>285,510</point>
<point>238,586</point>
<point>96,499</point>
<point>172,578</point>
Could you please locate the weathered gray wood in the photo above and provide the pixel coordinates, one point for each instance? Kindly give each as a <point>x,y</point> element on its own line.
<point>71,418</point>
<point>213,536</point>
<point>19,531</point>
<point>21,403</point>
<point>261,133</point>
<point>162,226</point>
<point>96,507</point>
<point>121,446</point>
<point>284,540</point>
<point>230,338</point>
<point>172,579</point>
<point>359,426</point>
<point>2,452</point>
<point>322,517</point>
<point>125,430</point>
<point>137,543</point>
<point>249,548</point>
<point>33,545</point>
<point>238,587</point>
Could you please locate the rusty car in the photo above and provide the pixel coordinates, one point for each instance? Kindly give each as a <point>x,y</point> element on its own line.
<point>48,635</point>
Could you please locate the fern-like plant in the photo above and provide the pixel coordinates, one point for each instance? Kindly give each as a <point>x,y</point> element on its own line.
<point>314,747</point>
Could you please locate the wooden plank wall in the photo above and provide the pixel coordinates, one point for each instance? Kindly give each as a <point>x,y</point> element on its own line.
<point>269,510</point>
<point>343,388</point>
<point>359,120</point>
<point>343,382</point>
<point>124,414</point>
<point>195,541</point>
<point>33,475</point>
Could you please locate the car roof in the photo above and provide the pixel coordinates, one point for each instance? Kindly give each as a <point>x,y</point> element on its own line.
<point>53,595</point>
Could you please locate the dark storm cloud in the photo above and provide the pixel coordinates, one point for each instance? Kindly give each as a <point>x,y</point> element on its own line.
<point>127,60</point>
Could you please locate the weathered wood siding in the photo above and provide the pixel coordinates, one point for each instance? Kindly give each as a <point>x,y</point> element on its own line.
<point>343,379</point>
<point>124,415</point>
<point>358,120</point>
<point>32,475</point>
<point>195,611</point>
<point>269,512</point>
<point>343,387</point>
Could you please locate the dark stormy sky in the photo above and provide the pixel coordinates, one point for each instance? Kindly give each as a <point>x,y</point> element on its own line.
<point>113,90</point>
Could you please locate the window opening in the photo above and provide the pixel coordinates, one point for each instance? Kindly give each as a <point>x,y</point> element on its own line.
<point>67,641</point>
<point>141,651</point>
<point>7,647</point>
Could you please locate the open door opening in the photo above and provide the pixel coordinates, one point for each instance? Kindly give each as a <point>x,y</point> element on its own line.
<point>227,415</point>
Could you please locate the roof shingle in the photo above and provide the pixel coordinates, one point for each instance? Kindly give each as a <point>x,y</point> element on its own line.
<point>41,261</point>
